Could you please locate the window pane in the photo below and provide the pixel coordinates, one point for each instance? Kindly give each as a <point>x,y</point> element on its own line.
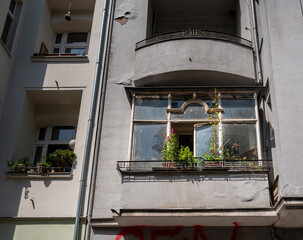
<point>203,135</point>
<point>56,50</point>
<point>240,140</point>
<point>77,38</point>
<point>193,111</point>
<point>240,109</point>
<point>75,50</point>
<point>63,133</point>
<point>7,26</point>
<point>12,6</point>
<point>151,109</point>
<point>38,154</point>
<point>148,141</point>
<point>58,38</point>
<point>42,134</point>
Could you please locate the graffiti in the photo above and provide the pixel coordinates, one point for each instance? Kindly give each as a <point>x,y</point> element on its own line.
<point>168,232</point>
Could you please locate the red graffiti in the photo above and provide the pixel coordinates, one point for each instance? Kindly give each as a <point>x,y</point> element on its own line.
<point>166,232</point>
<point>235,231</point>
<point>160,232</point>
<point>131,231</point>
<point>199,232</point>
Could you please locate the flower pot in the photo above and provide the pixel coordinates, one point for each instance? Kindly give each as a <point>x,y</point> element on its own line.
<point>41,168</point>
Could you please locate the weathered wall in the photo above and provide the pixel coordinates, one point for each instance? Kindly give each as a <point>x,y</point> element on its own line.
<point>282,65</point>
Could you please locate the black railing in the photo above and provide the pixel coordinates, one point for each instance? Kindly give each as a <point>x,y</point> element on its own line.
<point>193,33</point>
<point>199,165</point>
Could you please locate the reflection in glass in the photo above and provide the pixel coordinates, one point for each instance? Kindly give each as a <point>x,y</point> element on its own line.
<point>203,135</point>
<point>63,133</point>
<point>148,141</point>
<point>240,140</point>
<point>240,109</point>
<point>151,109</point>
<point>193,111</point>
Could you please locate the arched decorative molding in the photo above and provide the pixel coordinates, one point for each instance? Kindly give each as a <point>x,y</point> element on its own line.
<point>189,102</point>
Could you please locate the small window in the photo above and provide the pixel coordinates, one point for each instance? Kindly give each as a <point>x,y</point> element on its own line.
<point>52,138</point>
<point>71,43</point>
<point>11,24</point>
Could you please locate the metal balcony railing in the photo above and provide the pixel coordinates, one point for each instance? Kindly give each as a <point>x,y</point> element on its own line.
<point>200,165</point>
<point>193,33</point>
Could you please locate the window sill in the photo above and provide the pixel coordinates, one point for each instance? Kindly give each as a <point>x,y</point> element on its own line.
<point>27,175</point>
<point>60,58</point>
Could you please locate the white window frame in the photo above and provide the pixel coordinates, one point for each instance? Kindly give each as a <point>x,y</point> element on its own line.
<point>14,16</point>
<point>169,122</point>
<point>64,45</point>
<point>48,140</point>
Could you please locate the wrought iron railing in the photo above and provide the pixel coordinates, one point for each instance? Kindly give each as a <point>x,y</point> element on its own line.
<point>193,33</point>
<point>199,165</point>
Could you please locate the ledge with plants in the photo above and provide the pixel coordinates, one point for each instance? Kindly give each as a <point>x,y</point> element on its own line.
<point>57,164</point>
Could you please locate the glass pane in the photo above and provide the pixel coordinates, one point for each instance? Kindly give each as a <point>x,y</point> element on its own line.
<point>42,134</point>
<point>152,109</point>
<point>56,50</point>
<point>38,154</point>
<point>77,38</point>
<point>63,133</point>
<point>240,109</point>
<point>12,6</point>
<point>193,111</point>
<point>75,50</point>
<point>203,135</point>
<point>7,26</point>
<point>240,140</point>
<point>58,38</point>
<point>148,141</point>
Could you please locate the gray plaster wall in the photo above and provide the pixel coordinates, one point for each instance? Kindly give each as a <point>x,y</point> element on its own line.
<point>113,191</point>
<point>282,32</point>
<point>196,55</point>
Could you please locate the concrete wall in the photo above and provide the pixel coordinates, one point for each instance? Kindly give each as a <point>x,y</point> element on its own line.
<point>281,57</point>
<point>226,58</point>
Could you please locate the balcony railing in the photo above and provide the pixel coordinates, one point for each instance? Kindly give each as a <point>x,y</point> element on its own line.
<point>193,33</point>
<point>200,165</point>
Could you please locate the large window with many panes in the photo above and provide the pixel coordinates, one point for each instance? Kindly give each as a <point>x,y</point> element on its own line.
<point>154,115</point>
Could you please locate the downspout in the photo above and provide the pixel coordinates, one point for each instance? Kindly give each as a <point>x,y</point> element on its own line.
<point>91,121</point>
<point>256,41</point>
<point>99,126</point>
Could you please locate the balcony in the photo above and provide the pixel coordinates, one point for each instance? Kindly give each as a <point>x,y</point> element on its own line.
<point>194,57</point>
<point>200,165</point>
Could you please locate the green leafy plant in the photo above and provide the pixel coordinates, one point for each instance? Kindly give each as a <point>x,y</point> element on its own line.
<point>170,147</point>
<point>18,165</point>
<point>214,151</point>
<point>62,158</point>
<point>185,156</point>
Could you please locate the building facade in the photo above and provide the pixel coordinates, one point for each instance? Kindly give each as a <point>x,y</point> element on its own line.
<point>124,84</point>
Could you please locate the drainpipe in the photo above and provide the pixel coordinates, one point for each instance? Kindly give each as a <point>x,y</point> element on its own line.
<point>99,126</point>
<point>91,121</point>
<point>256,41</point>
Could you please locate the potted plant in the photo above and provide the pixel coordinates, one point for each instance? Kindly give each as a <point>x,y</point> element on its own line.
<point>43,166</point>
<point>170,149</point>
<point>18,166</point>
<point>185,157</point>
<point>62,158</point>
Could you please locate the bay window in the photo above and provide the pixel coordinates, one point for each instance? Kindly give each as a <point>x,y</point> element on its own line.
<point>188,114</point>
